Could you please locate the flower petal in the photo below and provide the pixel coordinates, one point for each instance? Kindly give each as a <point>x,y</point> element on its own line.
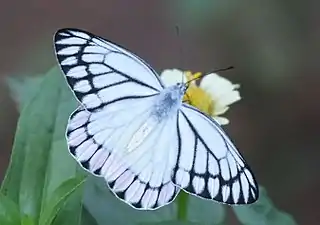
<point>216,85</point>
<point>172,76</point>
<point>222,92</point>
<point>220,109</point>
<point>229,98</point>
<point>221,120</point>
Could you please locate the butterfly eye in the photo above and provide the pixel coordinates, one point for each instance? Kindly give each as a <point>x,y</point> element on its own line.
<point>181,84</point>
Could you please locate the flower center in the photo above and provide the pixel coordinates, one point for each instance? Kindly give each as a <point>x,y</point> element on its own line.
<point>197,97</point>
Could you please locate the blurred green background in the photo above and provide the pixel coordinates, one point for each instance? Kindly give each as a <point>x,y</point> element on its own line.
<point>273,45</point>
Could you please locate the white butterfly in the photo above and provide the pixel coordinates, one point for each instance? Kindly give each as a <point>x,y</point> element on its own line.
<point>138,135</point>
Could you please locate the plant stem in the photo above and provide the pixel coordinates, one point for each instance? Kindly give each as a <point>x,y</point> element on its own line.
<point>182,206</point>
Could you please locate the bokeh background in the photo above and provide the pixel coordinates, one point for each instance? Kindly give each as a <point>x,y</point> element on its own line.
<point>273,45</point>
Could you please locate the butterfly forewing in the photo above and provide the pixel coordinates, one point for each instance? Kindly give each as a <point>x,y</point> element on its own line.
<point>96,70</point>
<point>208,163</point>
<point>143,159</point>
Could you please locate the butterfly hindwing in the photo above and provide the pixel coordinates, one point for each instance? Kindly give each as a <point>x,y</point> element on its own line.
<point>105,144</point>
<point>97,69</point>
<point>208,164</point>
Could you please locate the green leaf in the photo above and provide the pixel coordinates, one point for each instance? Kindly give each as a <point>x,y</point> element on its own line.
<point>172,222</point>
<point>11,182</point>
<point>71,213</point>
<point>262,212</point>
<point>182,204</point>
<point>87,218</point>
<point>24,88</point>
<point>40,161</point>
<point>27,220</point>
<point>59,198</point>
<point>205,211</point>
<point>9,211</point>
<point>108,209</point>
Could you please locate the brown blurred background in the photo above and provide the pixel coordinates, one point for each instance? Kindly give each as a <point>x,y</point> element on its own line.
<point>273,45</point>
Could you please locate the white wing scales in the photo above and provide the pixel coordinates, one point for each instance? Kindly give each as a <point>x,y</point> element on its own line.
<point>208,163</point>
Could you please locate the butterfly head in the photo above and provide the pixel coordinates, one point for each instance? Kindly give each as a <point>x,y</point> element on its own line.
<point>182,87</point>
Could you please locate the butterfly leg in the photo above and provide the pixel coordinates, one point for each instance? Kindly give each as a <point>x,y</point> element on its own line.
<point>187,100</point>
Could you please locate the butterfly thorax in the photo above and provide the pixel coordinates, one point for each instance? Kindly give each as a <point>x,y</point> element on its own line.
<point>168,102</point>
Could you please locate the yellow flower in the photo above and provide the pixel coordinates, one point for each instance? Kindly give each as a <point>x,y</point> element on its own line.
<point>213,96</point>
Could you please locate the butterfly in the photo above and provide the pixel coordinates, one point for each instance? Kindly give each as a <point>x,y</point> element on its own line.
<point>139,135</point>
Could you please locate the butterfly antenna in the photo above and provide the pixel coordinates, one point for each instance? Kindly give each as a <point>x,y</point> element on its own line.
<point>180,49</point>
<point>215,71</point>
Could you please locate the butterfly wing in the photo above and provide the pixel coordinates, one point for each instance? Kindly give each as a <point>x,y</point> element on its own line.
<point>137,170</point>
<point>208,164</point>
<point>112,133</point>
<point>100,72</point>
